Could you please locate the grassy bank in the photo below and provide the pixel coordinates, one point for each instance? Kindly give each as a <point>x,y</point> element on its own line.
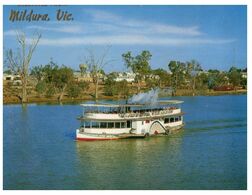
<point>10,99</point>
<point>207,92</point>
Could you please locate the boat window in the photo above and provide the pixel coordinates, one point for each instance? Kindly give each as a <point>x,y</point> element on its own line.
<point>171,120</point>
<point>95,124</point>
<point>123,125</point>
<point>110,125</point>
<point>166,120</point>
<point>117,125</point>
<point>87,124</point>
<point>176,119</point>
<point>128,124</point>
<point>179,118</point>
<point>103,125</point>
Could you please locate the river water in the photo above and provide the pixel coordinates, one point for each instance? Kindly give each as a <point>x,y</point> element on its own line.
<point>39,150</point>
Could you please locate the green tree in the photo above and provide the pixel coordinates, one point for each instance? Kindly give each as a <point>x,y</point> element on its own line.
<point>216,78</point>
<point>62,78</point>
<point>139,65</point>
<point>57,79</point>
<point>234,76</point>
<point>244,83</point>
<point>122,89</point>
<point>44,76</point>
<point>84,85</point>
<point>192,70</point>
<point>110,83</point>
<point>152,82</point>
<point>41,87</point>
<point>112,88</point>
<point>38,72</point>
<point>73,90</point>
<point>161,77</point>
<point>202,81</point>
<point>50,90</point>
<point>178,71</point>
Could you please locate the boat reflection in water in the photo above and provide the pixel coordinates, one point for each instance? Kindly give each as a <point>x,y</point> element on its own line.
<point>130,163</point>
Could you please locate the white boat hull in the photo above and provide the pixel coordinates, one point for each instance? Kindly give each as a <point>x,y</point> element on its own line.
<point>92,137</point>
<point>83,136</point>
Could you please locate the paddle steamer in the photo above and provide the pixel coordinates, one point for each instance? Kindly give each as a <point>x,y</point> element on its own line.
<point>118,121</point>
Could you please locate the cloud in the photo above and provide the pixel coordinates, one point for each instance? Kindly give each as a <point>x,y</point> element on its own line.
<point>64,29</point>
<point>100,15</point>
<point>71,29</point>
<point>10,33</point>
<point>142,26</point>
<point>191,31</point>
<point>129,40</point>
<point>105,28</point>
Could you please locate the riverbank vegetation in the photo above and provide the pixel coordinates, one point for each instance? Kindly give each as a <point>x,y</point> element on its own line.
<point>54,82</point>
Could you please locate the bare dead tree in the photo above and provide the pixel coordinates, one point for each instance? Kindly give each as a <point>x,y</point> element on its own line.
<point>95,66</point>
<point>19,62</point>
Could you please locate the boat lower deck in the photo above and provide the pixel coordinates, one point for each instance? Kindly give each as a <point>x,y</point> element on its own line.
<point>93,136</point>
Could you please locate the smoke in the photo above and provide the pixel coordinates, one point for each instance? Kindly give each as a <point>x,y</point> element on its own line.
<point>149,97</point>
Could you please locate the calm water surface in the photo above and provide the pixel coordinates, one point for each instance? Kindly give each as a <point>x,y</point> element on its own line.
<point>210,153</point>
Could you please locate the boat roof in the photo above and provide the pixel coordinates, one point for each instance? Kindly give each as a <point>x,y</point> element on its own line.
<point>170,102</point>
<point>160,102</point>
<point>111,105</point>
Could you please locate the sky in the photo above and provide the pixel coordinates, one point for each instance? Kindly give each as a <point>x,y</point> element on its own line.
<point>215,36</point>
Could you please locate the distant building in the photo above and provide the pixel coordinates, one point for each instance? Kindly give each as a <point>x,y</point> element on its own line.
<point>128,76</point>
<point>8,77</point>
<point>12,77</point>
<point>203,72</point>
<point>153,76</point>
<point>244,75</point>
<point>15,79</point>
<point>86,77</point>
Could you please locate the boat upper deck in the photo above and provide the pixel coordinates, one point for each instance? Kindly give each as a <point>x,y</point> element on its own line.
<point>130,111</point>
<point>158,103</point>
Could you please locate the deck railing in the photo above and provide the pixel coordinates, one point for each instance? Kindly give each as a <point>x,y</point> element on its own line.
<point>146,114</point>
<point>135,114</point>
